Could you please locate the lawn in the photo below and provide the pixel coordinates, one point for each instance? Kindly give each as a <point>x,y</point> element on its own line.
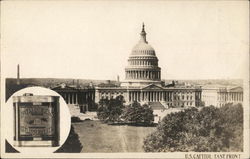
<point>99,137</point>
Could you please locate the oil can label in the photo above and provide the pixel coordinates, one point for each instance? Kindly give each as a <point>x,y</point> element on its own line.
<point>36,120</point>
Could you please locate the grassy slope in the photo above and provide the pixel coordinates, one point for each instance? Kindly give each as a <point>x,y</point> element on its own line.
<point>98,137</point>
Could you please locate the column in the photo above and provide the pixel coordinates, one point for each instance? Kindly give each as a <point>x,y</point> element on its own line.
<point>70,98</point>
<point>76,98</point>
<point>129,96</point>
<point>67,100</point>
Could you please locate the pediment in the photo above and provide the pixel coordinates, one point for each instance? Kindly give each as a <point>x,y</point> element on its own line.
<point>63,86</point>
<point>236,89</point>
<point>152,87</point>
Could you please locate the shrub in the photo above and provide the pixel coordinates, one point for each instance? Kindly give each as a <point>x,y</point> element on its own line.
<point>210,129</point>
<point>137,114</point>
<point>110,110</point>
<point>75,119</point>
<point>72,144</point>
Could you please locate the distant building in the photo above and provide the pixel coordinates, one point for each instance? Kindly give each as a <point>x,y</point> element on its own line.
<point>219,96</point>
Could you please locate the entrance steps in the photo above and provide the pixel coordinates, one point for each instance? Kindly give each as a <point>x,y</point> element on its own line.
<point>75,111</point>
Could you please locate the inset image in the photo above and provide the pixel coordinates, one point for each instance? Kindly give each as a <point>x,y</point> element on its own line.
<point>39,120</point>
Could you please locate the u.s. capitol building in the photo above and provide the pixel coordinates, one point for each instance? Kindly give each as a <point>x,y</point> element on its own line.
<point>142,83</point>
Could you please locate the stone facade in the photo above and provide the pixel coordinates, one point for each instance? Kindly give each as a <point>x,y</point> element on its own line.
<point>220,96</point>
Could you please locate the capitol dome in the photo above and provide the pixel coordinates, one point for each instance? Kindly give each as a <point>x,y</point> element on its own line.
<point>143,62</point>
<point>142,47</point>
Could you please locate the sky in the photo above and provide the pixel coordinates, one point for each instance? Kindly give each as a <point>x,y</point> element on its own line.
<point>93,39</point>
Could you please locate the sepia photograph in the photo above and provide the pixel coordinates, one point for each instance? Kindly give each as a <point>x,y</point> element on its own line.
<point>125,79</point>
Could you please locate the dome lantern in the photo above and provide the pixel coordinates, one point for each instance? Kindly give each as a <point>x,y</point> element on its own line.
<point>143,34</point>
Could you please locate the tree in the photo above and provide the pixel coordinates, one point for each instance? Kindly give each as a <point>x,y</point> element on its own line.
<point>209,130</point>
<point>137,114</point>
<point>110,110</point>
<point>72,144</point>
